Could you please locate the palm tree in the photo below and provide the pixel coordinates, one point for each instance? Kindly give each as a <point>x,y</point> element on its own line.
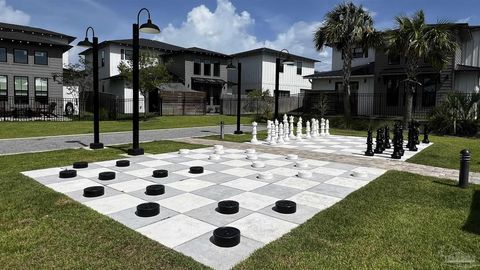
<point>345,28</point>
<point>416,40</point>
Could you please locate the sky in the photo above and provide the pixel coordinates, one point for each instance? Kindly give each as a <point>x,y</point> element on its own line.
<point>227,26</point>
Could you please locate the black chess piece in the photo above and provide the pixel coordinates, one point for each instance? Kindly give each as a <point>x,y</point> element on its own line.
<point>416,132</point>
<point>378,142</point>
<point>396,143</point>
<point>369,151</point>
<point>425,134</point>
<point>387,144</point>
<point>400,140</point>
<point>409,134</point>
<point>412,145</point>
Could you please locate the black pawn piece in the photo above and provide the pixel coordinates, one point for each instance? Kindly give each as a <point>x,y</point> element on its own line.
<point>369,151</point>
<point>425,134</point>
<point>379,142</point>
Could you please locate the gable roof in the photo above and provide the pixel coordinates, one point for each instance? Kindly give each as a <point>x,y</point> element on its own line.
<point>271,52</point>
<point>23,31</point>
<point>363,70</point>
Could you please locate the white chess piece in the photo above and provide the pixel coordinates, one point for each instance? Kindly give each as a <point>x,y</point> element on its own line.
<point>307,131</point>
<point>299,130</point>
<point>322,127</point>
<point>280,135</point>
<point>269,131</point>
<point>285,129</point>
<point>273,140</point>
<point>276,129</point>
<point>327,128</point>
<point>254,139</point>
<point>313,128</point>
<point>292,127</point>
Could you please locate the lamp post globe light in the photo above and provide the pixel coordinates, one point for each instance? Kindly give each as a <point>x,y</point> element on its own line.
<point>287,60</point>
<point>96,103</point>
<point>148,28</point>
<point>230,66</point>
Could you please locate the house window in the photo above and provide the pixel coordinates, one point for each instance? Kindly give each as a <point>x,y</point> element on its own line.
<point>299,68</point>
<point>102,58</point>
<point>3,55</point>
<point>41,87</point>
<point>3,87</point>
<point>358,53</point>
<point>283,93</point>
<point>393,88</point>
<point>393,59</point>
<point>20,56</point>
<point>216,69</point>
<point>429,93</point>
<point>207,69</point>
<point>41,58</point>
<point>128,55</point>
<point>197,66</point>
<point>21,90</point>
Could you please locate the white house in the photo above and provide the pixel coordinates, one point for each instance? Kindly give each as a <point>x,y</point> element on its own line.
<point>258,72</point>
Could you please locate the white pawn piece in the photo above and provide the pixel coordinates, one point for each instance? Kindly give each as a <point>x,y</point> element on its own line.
<point>299,129</point>
<point>327,128</point>
<point>254,133</point>
<point>307,131</point>
<point>269,131</point>
<point>292,127</point>
<point>280,135</point>
<point>322,127</point>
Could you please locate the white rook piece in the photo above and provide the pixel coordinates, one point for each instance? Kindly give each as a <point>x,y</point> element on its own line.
<point>280,135</point>
<point>322,127</point>
<point>327,128</point>
<point>292,127</point>
<point>307,130</point>
<point>254,133</point>
<point>299,129</point>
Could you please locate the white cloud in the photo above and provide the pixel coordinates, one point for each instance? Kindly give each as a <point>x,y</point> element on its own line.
<point>226,30</point>
<point>464,20</point>
<point>10,15</point>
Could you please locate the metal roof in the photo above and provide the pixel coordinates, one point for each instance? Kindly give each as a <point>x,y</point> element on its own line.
<point>31,31</point>
<point>270,51</point>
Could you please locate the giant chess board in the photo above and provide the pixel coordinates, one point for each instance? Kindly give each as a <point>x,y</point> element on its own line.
<point>343,145</point>
<point>188,207</point>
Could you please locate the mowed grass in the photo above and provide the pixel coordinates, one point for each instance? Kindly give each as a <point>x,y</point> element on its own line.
<point>45,128</point>
<point>399,221</point>
<point>444,152</point>
<point>43,229</point>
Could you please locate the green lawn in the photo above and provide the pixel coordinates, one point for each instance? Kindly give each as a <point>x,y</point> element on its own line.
<point>43,128</point>
<point>399,221</point>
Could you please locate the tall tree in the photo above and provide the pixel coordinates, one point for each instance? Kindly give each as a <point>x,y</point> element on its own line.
<point>414,39</point>
<point>345,28</point>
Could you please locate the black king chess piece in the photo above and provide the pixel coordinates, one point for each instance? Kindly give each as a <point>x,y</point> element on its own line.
<point>426,130</point>
<point>369,151</point>
<point>379,142</point>
<point>387,144</point>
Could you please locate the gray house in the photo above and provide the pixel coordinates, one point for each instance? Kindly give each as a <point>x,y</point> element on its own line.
<point>197,69</point>
<point>377,82</point>
<point>29,57</point>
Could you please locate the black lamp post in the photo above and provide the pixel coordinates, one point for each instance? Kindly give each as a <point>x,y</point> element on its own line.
<point>239,93</point>
<point>96,103</point>
<point>280,61</point>
<point>148,28</point>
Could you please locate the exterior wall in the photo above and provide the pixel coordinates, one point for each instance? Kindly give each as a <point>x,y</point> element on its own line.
<point>251,73</point>
<point>288,80</point>
<point>337,62</point>
<point>467,82</point>
<point>176,65</point>
<point>11,69</point>
<point>189,61</point>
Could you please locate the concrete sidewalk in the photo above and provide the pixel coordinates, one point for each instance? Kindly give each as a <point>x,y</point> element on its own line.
<point>40,144</point>
<point>386,164</point>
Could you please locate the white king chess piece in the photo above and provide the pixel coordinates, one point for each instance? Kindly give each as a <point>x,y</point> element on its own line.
<point>322,127</point>
<point>327,128</point>
<point>292,127</point>
<point>308,130</point>
<point>254,133</point>
<point>299,130</point>
<point>269,131</point>
<point>280,135</point>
